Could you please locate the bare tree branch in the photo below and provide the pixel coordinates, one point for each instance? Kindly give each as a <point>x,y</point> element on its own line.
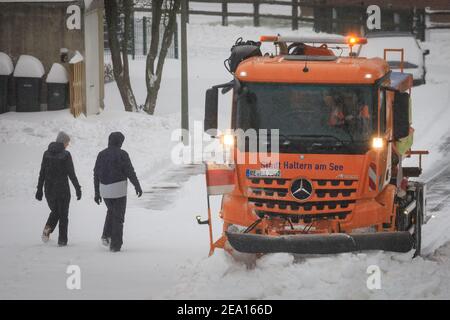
<point>119,52</point>
<point>153,77</point>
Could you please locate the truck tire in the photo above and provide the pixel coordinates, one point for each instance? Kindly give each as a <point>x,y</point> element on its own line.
<point>418,220</point>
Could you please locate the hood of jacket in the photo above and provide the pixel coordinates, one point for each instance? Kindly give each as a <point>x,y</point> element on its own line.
<point>116,139</point>
<point>56,150</point>
<point>56,147</point>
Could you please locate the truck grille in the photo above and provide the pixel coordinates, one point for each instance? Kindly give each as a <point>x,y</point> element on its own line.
<point>307,218</point>
<point>331,199</point>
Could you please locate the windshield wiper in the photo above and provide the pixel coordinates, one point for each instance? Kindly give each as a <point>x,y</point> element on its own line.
<point>300,136</point>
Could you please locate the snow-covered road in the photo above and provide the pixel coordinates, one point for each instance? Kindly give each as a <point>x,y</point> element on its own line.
<point>165,251</point>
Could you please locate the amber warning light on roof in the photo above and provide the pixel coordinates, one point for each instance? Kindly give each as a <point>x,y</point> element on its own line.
<point>352,40</point>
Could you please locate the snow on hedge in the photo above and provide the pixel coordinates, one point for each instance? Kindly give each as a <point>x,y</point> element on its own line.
<point>6,65</point>
<point>29,67</point>
<point>58,74</point>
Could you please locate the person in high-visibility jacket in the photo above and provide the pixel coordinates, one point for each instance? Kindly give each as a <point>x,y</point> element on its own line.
<point>363,113</point>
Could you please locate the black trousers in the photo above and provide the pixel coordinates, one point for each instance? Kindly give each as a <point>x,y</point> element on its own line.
<point>59,208</point>
<point>115,217</point>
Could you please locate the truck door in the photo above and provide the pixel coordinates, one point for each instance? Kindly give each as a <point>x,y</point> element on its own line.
<point>386,156</point>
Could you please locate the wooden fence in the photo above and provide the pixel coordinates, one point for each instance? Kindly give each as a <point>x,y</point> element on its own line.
<point>256,15</point>
<point>76,89</point>
<point>140,36</point>
<point>443,14</point>
<point>325,17</point>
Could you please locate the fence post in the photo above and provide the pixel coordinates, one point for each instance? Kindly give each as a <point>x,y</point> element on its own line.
<point>294,14</point>
<point>187,11</point>
<point>144,34</point>
<point>184,77</point>
<point>424,22</point>
<point>175,40</point>
<point>256,13</point>
<point>224,13</point>
<point>133,44</point>
<point>363,19</point>
<point>396,19</point>
<point>334,23</point>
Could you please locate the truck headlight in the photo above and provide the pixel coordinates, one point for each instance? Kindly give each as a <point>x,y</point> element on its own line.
<point>228,140</point>
<point>377,143</point>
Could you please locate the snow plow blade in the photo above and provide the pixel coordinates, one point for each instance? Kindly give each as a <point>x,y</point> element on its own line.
<point>321,243</point>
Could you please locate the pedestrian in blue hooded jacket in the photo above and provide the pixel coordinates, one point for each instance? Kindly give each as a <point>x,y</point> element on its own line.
<point>112,171</point>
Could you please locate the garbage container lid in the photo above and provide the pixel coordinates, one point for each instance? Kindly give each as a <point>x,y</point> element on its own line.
<point>58,74</point>
<point>6,65</point>
<point>29,67</point>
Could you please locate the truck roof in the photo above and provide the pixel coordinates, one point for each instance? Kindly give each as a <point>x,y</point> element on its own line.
<point>332,70</point>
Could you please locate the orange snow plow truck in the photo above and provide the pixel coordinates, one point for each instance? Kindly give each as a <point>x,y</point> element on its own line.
<point>344,128</point>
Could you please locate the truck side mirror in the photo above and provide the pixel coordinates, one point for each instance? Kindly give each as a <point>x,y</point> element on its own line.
<point>211,109</point>
<point>401,115</point>
<point>426,52</point>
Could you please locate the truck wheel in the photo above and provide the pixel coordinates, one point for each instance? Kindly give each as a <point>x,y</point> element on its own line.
<point>402,221</point>
<point>418,220</point>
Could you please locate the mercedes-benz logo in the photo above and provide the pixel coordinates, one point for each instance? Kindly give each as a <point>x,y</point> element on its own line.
<point>301,189</point>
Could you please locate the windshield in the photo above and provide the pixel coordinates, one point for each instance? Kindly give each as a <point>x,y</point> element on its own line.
<point>326,118</point>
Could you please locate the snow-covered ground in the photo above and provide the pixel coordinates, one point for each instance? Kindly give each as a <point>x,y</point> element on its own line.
<point>165,251</point>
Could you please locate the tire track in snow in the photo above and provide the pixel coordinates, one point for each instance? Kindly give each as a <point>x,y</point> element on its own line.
<point>435,231</point>
<point>164,187</point>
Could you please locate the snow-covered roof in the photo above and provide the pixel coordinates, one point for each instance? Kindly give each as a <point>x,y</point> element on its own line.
<point>6,65</point>
<point>29,67</point>
<point>58,74</point>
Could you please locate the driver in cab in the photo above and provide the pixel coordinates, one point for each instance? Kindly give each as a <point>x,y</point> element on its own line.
<point>345,110</point>
<point>335,104</point>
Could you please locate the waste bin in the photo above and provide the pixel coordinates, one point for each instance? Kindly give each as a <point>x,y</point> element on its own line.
<point>57,87</point>
<point>6,70</point>
<point>28,80</point>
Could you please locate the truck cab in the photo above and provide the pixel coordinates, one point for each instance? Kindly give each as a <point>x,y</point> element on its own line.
<point>343,126</point>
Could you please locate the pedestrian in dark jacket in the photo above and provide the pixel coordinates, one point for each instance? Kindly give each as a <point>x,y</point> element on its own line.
<point>56,168</point>
<point>112,170</point>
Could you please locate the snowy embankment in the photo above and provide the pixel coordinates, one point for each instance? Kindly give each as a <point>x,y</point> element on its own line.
<point>165,251</point>
<point>431,118</point>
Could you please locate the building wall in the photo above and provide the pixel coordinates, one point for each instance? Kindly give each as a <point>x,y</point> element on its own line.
<point>38,29</point>
<point>96,8</point>
<point>100,13</point>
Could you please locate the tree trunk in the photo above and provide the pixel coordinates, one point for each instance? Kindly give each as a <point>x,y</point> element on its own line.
<point>119,53</point>
<point>153,76</point>
<point>152,55</point>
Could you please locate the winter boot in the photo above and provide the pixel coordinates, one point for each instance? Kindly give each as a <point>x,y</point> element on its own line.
<point>46,234</point>
<point>62,244</point>
<point>113,249</point>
